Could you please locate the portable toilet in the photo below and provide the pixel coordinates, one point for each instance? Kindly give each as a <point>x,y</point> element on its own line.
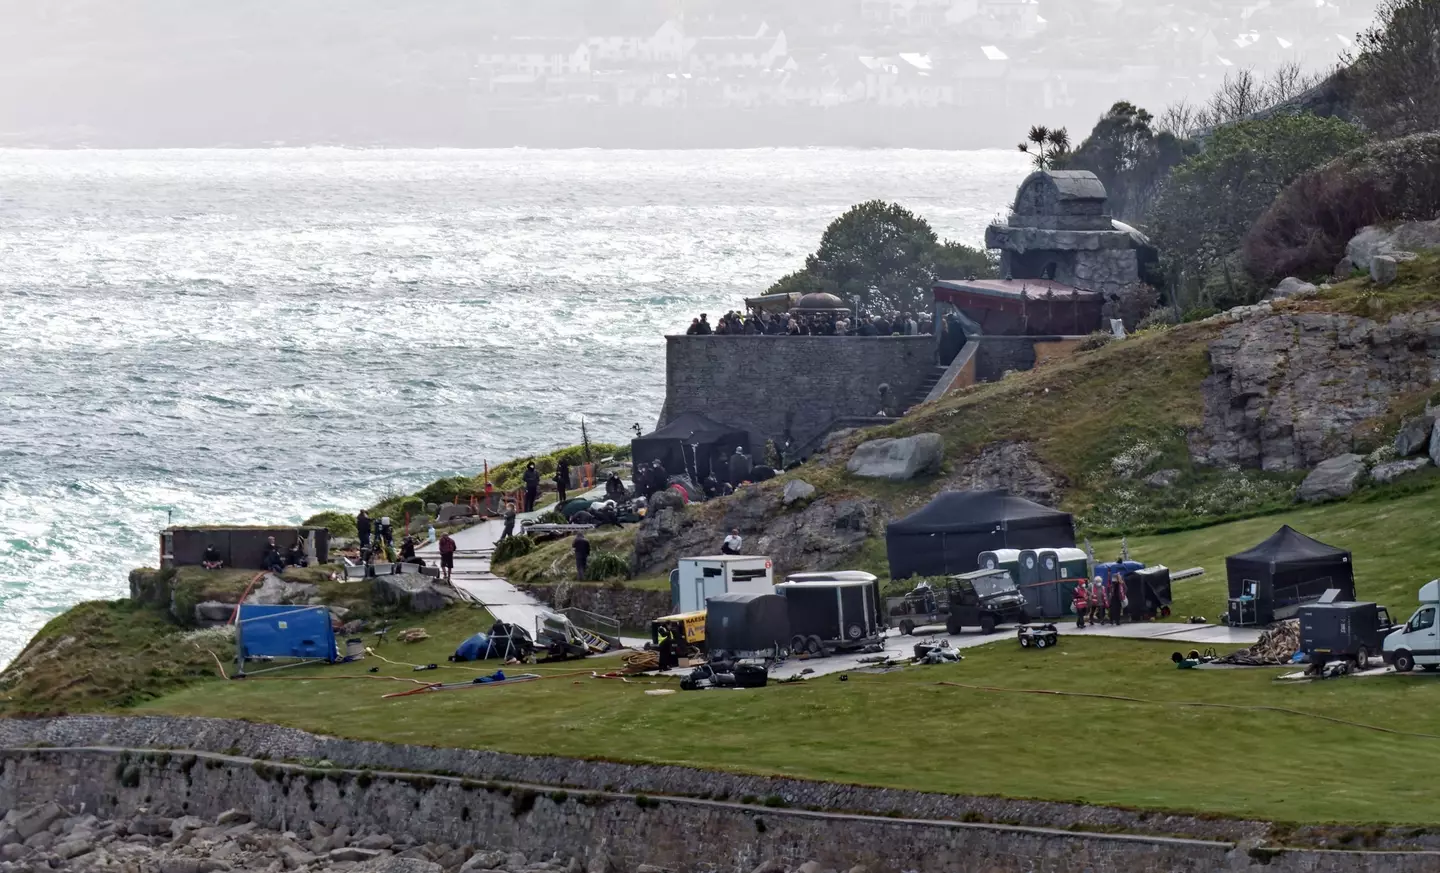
<point>1039,597</point>
<point>1068,567</point>
<point>1002,559</point>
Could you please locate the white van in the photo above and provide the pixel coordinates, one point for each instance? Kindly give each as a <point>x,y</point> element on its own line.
<point>1418,642</point>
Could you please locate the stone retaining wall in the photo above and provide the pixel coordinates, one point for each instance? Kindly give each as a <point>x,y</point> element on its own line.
<point>634,608</point>
<point>672,833</point>
<point>280,743</point>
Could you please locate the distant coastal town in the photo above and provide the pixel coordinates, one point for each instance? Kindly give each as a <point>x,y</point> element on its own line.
<point>654,73</point>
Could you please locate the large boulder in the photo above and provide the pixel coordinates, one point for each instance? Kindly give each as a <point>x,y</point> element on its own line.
<point>1293,287</point>
<point>1395,469</point>
<point>797,490</point>
<point>411,591</point>
<point>451,511</point>
<point>898,460</point>
<point>1337,477</point>
<point>1414,435</point>
<point>1402,239</point>
<point>1435,446</point>
<point>1384,269</point>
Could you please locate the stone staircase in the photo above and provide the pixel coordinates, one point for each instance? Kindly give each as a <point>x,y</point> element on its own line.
<point>921,393</point>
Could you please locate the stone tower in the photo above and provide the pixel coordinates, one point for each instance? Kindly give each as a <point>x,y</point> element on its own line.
<point>1061,230</point>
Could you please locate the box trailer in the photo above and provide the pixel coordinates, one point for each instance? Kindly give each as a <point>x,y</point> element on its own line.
<point>1342,630</point>
<point>832,612</point>
<point>698,579</point>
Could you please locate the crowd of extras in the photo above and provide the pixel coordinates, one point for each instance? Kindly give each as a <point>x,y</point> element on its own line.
<point>811,324</point>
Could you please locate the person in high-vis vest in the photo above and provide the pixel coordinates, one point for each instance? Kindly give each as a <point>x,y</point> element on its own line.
<point>1081,602</point>
<point>1097,600</point>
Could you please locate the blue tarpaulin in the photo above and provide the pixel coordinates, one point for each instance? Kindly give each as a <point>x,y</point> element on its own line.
<point>286,632</point>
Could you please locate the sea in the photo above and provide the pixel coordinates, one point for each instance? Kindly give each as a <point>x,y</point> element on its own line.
<point>246,336</point>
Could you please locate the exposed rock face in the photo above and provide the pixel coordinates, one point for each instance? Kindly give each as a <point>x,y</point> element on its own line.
<point>898,460</point>
<point>1395,469</point>
<point>819,537</point>
<point>1163,478</point>
<point>1008,465</point>
<point>1332,479</point>
<point>1403,240</point>
<point>1344,268</point>
<point>1288,391</point>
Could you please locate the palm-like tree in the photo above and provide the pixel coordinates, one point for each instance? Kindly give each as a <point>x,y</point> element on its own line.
<point>1049,146</point>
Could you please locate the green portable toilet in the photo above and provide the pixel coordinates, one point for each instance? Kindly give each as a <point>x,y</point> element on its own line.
<point>1067,567</point>
<point>1002,559</point>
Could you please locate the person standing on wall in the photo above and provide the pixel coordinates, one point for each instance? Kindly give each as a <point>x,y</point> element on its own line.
<point>532,486</point>
<point>447,557</point>
<point>582,555</point>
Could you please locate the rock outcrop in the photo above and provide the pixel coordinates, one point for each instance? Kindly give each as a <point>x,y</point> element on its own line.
<point>1414,435</point>
<point>414,592</point>
<point>898,460</point>
<point>1293,287</point>
<point>1338,477</point>
<point>819,537</point>
<point>797,490</point>
<point>1012,465</point>
<point>1399,242</point>
<point>1395,469</point>
<point>1290,390</point>
<point>1384,269</point>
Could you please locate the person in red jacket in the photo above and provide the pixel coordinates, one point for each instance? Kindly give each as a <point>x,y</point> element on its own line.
<point>1081,603</point>
<point>447,557</point>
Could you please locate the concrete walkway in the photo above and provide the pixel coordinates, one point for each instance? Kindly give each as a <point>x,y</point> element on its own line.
<point>472,576</point>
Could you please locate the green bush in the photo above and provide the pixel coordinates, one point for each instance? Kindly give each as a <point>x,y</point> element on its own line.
<point>511,548</point>
<point>445,490</point>
<point>553,516</point>
<point>1211,200</point>
<point>1306,229</point>
<point>606,565</point>
<point>339,524</point>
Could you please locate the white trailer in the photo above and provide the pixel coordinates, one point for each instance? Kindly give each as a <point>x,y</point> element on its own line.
<point>699,578</point>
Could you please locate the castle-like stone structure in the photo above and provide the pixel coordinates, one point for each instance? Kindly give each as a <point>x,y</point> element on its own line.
<point>1060,229</point>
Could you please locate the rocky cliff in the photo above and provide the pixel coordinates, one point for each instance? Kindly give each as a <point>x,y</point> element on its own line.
<point>1290,390</point>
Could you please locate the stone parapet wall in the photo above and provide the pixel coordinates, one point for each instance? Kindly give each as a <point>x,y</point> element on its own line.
<point>633,608</point>
<point>627,830</point>
<point>771,384</point>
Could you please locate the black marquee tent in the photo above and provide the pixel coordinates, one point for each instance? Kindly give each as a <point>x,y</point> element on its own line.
<point>1289,569</point>
<point>687,444</point>
<point>949,533</point>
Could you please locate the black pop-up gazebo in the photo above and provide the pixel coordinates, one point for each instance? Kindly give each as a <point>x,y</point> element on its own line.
<point>947,535</point>
<point>1287,570</point>
<point>687,445</point>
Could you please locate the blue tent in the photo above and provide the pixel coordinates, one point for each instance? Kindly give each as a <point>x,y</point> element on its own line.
<point>285,632</point>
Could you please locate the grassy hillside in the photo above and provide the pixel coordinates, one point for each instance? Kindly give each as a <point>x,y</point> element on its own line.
<point>1390,538</point>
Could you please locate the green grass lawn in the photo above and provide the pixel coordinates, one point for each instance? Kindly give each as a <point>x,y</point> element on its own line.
<point>1392,543</point>
<point>907,730</point>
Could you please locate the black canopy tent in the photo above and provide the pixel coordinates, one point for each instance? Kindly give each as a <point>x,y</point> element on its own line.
<point>688,443</point>
<point>1286,570</point>
<point>949,533</point>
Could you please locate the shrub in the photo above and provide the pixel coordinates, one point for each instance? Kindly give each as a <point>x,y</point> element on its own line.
<point>1097,340</point>
<point>1398,67</point>
<point>445,490</point>
<point>1306,229</point>
<point>511,548</point>
<point>554,516</point>
<point>1211,200</point>
<point>606,565</point>
<point>339,524</point>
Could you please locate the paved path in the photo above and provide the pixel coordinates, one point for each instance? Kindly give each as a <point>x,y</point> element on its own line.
<point>474,547</point>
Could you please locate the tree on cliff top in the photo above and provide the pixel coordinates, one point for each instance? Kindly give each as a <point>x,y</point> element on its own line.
<point>1211,200</point>
<point>1130,157</point>
<point>884,256</point>
<point>1397,70</point>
